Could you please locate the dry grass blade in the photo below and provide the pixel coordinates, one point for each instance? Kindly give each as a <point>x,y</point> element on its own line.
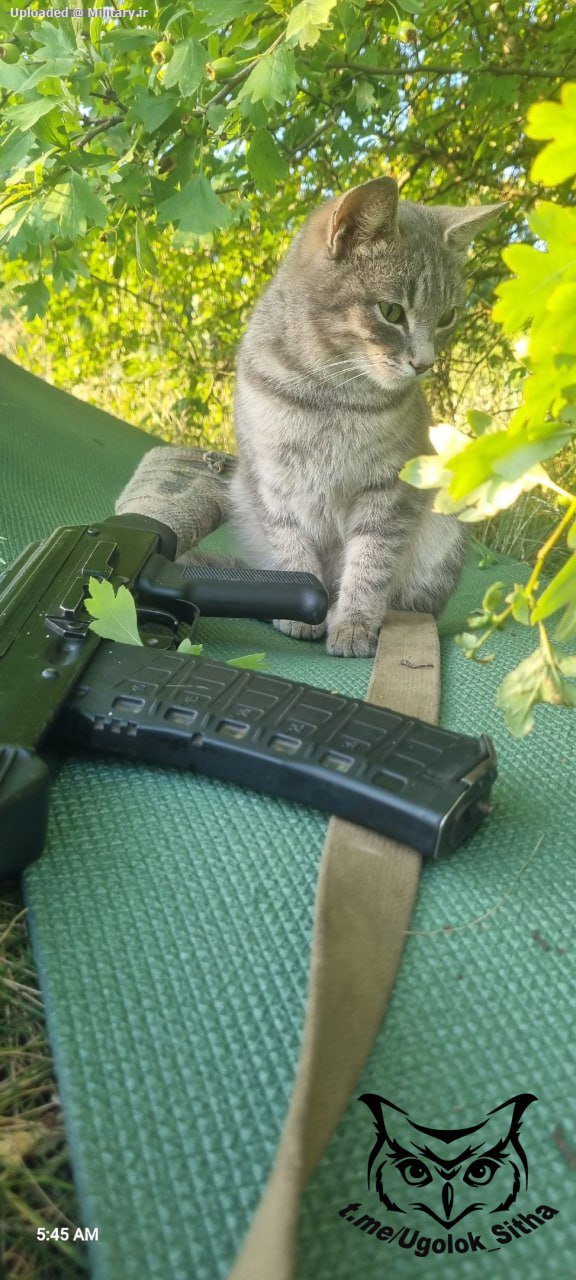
<point>36,1188</point>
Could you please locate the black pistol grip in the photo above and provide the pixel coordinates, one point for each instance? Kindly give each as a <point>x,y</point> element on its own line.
<point>24,798</point>
<point>234,593</point>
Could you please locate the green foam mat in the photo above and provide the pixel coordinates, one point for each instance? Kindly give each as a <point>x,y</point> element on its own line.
<point>171,918</point>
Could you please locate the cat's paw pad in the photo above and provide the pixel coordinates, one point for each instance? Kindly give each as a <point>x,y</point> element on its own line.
<point>352,641</point>
<point>300,630</point>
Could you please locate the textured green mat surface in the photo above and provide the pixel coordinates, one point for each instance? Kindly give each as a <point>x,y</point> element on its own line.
<point>171,919</point>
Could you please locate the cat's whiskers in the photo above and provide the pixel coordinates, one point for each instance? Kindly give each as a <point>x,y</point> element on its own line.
<point>298,379</point>
<point>319,368</point>
<point>356,375</point>
<point>322,369</point>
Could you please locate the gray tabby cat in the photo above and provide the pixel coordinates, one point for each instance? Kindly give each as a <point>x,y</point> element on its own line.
<point>329,407</point>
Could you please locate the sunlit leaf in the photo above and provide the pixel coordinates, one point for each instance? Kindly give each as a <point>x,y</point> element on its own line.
<point>251,661</point>
<point>35,297</point>
<point>152,109</point>
<point>186,67</point>
<point>532,681</point>
<point>273,79</point>
<point>559,592</point>
<point>196,208</point>
<point>556,121</point>
<point>114,613</point>
<point>265,162</point>
<point>308,19</point>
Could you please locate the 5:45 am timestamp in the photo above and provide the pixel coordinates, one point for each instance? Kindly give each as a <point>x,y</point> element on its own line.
<point>74,1234</point>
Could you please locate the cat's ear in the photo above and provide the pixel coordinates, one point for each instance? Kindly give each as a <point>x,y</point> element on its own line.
<point>366,213</point>
<point>461,225</point>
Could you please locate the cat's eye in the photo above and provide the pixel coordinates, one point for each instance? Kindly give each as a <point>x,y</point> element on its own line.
<point>481,1172</point>
<point>447,319</point>
<point>414,1172</point>
<point>392,312</point>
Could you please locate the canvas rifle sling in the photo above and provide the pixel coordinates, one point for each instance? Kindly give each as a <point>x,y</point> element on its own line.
<point>366,890</point>
<point>366,885</point>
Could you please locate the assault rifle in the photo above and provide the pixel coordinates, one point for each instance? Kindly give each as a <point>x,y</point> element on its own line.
<point>61,684</point>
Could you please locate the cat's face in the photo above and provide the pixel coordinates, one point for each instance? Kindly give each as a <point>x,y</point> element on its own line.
<point>447,1174</point>
<point>386,284</point>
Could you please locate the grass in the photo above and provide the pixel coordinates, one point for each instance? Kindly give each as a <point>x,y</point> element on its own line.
<point>36,1188</point>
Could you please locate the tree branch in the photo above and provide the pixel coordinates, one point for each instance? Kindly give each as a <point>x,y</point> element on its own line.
<point>360,68</point>
<point>100,128</point>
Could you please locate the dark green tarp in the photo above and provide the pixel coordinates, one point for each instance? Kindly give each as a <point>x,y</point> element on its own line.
<point>171,919</point>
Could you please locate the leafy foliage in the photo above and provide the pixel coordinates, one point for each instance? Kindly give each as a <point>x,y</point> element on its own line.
<point>476,477</point>
<point>116,618</point>
<point>152,172</point>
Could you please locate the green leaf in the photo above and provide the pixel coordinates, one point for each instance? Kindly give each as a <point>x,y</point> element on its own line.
<point>35,297</point>
<point>133,183</point>
<point>538,274</point>
<point>307,20</point>
<point>479,421</point>
<point>27,114</point>
<point>251,661</point>
<point>223,12</point>
<point>365,95</point>
<point>123,40</point>
<point>566,629</point>
<point>144,254</point>
<point>95,31</point>
<point>494,597</point>
<point>53,41</point>
<point>196,208</point>
<point>74,205</point>
<point>13,148</point>
<point>273,79</point>
<point>12,75</point>
<point>469,642</point>
<point>556,121</point>
<point>152,109</point>
<point>58,67</point>
<point>186,67</point>
<point>216,116</point>
<point>16,218</point>
<point>265,162</point>
<point>520,604</point>
<point>567,664</point>
<point>428,471</point>
<point>559,592</point>
<point>534,680</point>
<point>114,613</point>
<point>504,456</point>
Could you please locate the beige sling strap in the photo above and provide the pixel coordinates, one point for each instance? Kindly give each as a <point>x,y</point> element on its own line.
<point>366,891</point>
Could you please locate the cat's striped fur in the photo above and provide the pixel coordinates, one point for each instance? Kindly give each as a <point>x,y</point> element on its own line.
<point>329,407</point>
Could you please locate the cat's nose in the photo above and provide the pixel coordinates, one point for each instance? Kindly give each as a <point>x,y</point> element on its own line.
<point>420,366</point>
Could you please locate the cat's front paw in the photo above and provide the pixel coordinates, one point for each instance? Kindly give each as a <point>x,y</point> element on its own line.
<point>300,630</point>
<point>354,640</point>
